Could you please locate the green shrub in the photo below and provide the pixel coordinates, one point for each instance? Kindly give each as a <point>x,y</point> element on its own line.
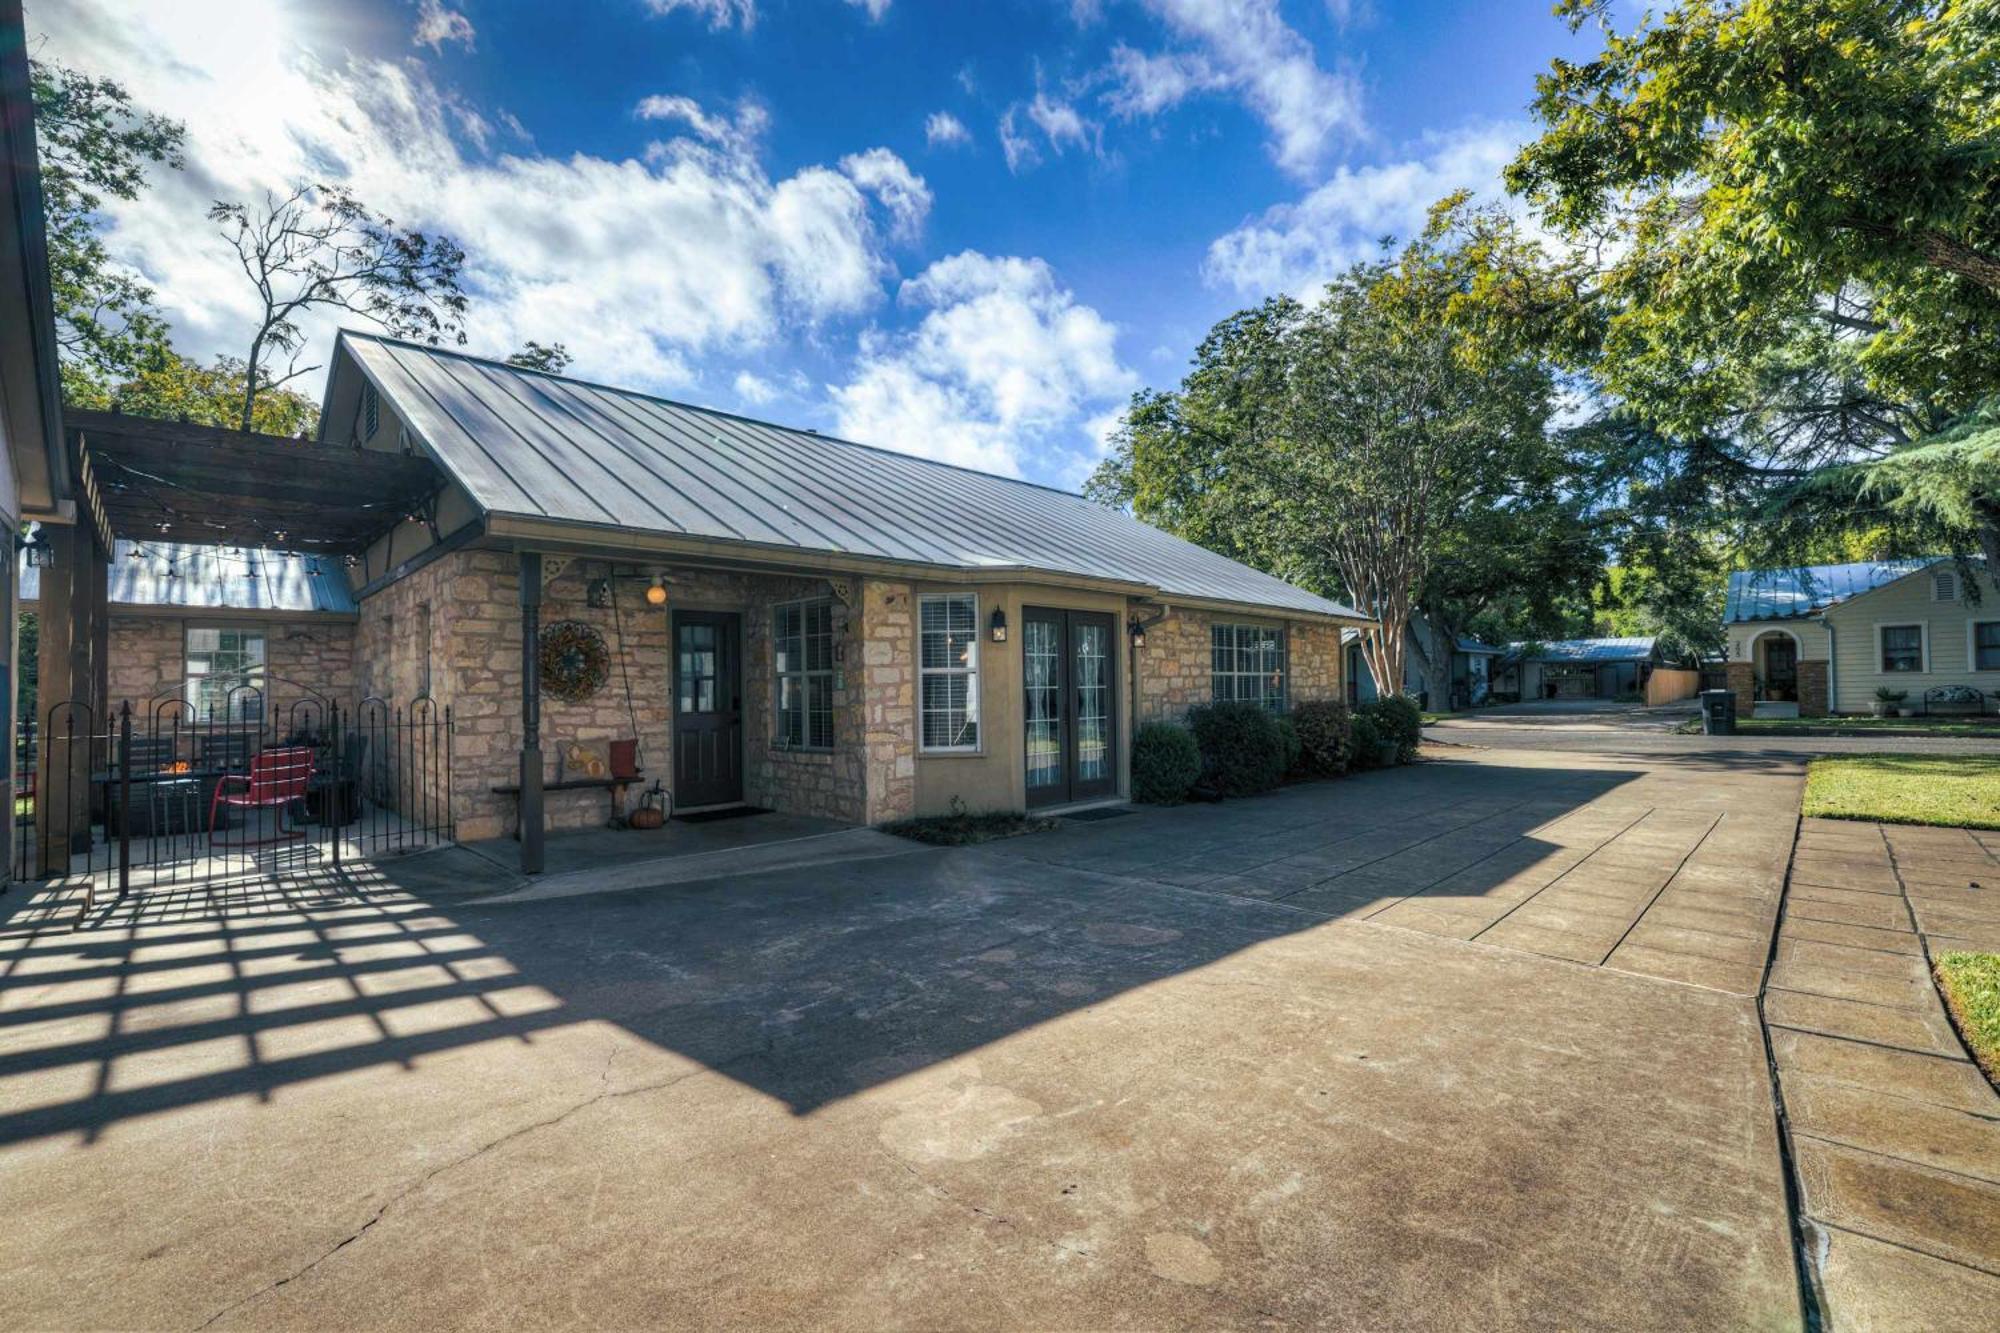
<point>1326,737</point>
<point>1165,763</point>
<point>1242,751</point>
<point>1398,720</point>
<point>1288,740</point>
<point>1367,739</point>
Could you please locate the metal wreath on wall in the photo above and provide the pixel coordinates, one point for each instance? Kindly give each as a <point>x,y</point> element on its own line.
<point>575,663</point>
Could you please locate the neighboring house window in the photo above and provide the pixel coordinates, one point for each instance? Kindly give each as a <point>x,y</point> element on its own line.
<point>1247,665</point>
<point>1944,585</point>
<point>948,671</point>
<point>802,660</point>
<point>1986,645</point>
<point>1902,647</point>
<point>225,674</point>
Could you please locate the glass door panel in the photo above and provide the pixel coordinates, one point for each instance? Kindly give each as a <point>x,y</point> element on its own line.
<point>1041,648</point>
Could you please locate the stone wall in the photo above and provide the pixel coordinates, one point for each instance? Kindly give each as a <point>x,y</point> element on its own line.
<point>889,689</point>
<point>1812,689</point>
<point>471,602</point>
<point>148,660</point>
<point>1174,666</point>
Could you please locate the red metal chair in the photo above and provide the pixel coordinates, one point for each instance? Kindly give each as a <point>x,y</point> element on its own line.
<point>276,779</point>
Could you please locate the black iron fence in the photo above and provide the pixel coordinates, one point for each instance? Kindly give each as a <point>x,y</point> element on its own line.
<point>270,780</point>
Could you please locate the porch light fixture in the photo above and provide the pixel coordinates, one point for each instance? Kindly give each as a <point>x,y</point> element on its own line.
<point>41,555</point>
<point>656,593</point>
<point>999,625</point>
<point>1138,633</point>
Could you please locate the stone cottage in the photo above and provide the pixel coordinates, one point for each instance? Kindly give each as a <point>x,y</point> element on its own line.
<point>776,618</point>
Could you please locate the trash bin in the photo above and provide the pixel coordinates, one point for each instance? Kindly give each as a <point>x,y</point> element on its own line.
<point>1718,712</point>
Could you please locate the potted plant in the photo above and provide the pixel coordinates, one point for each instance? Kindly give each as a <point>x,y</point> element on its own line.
<point>1887,701</point>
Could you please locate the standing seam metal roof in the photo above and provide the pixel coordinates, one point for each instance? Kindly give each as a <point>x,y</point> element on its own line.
<point>1786,594</point>
<point>1636,649</point>
<point>173,576</point>
<point>527,443</point>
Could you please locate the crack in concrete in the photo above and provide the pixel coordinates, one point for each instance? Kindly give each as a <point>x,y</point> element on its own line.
<point>603,1094</point>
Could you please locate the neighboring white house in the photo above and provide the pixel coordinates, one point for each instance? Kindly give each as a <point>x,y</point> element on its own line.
<point>1825,638</point>
<point>1435,674</point>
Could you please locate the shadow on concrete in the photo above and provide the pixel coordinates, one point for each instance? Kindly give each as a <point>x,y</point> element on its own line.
<point>808,984</point>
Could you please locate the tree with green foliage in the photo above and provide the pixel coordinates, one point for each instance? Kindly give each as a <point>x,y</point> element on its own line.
<point>319,247</point>
<point>172,387</point>
<point>1792,214</point>
<point>1342,445</point>
<point>93,144</point>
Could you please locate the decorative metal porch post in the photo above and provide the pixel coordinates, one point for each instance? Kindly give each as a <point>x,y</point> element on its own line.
<point>531,713</point>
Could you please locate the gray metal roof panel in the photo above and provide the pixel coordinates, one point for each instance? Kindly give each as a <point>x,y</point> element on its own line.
<point>1634,649</point>
<point>1785,594</point>
<point>526,443</point>
<point>170,576</point>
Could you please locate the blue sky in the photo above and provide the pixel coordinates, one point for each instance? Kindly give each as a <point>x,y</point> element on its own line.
<point>966,230</point>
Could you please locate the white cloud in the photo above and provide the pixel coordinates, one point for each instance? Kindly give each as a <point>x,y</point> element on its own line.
<point>641,266</point>
<point>1297,247</point>
<point>1005,366</point>
<point>941,128</point>
<point>876,8</point>
<point>1246,46</point>
<point>437,25</point>
<point>1061,124</point>
<point>743,133</point>
<point>901,191</point>
<point>719,13</point>
<point>754,389</point>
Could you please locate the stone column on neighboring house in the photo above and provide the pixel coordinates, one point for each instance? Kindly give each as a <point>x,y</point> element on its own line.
<point>1813,698</point>
<point>889,693</point>
<point>1743,684</point>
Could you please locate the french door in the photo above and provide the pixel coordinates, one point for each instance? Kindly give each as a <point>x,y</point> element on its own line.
<point>1069,667</point>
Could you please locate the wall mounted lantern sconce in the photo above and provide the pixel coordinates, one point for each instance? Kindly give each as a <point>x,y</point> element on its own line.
<point>656,592</point>
<point>999,625</point>
<point>1138,634</point>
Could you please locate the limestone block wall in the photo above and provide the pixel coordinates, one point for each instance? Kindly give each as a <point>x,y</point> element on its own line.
<point>470,601</point>
<point>1174,666</point>
<point>889,689</point>
<point>148,660</point>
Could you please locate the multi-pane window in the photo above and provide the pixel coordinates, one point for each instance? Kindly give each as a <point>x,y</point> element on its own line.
<point>1902,648</point>
<point>802,660</point>
<point>948,671</point>
<point>225,674</point>
<point>1986,645</point>
<point>1247,665</point>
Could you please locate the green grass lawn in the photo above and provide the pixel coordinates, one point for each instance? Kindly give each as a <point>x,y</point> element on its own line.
<point>1858,726</point>
<point>1970,983</point>
<point>1956,790</point>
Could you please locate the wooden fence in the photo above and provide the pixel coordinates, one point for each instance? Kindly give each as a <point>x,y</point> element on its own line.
<point>1667,684</point>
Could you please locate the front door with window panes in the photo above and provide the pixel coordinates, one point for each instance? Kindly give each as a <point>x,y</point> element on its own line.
<point>708,708</point>
<point>1069,668</point>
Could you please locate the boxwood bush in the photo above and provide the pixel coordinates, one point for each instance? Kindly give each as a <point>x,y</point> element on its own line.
<point>1326,738</point>
<point>1398,720</point>
<point>1288,738</point>
<point>1242,750</point>
<point>1165,763</point>
<point>1367,739</point>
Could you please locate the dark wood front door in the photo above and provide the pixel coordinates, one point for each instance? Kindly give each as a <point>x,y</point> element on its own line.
<point>708,707</point>
<point>1069,666</point>
<point>1781,670</point>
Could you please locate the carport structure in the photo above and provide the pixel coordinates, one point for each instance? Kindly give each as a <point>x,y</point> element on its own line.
<point>145,480</point>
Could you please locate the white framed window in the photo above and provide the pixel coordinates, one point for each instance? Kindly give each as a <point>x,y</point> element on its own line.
<point>1247,665</point>
<point>802,667</point>
<point>1902,649</point>
<point>948,672</point>
<point>1982,645</point>
<point>224,673</point>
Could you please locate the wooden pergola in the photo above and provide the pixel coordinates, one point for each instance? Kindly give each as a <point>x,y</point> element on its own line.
<point>149,480</point>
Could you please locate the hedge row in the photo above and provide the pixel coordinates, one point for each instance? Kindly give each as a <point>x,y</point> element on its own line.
<point>1239,749</point>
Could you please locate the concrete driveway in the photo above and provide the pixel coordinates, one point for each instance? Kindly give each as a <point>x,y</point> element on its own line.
<point>1467,1043</point>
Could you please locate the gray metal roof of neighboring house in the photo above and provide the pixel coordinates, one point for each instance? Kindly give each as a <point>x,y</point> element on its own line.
<point>1584,651</point>
<point>536,445</point>
<point>1475,646</point>
<point>170,576</point>
<point>1784,594</point>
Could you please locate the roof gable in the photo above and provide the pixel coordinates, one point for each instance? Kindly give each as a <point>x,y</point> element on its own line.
<point>536,445</point>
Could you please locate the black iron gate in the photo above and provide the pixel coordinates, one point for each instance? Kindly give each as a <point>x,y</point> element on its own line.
<point>258,781</point>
